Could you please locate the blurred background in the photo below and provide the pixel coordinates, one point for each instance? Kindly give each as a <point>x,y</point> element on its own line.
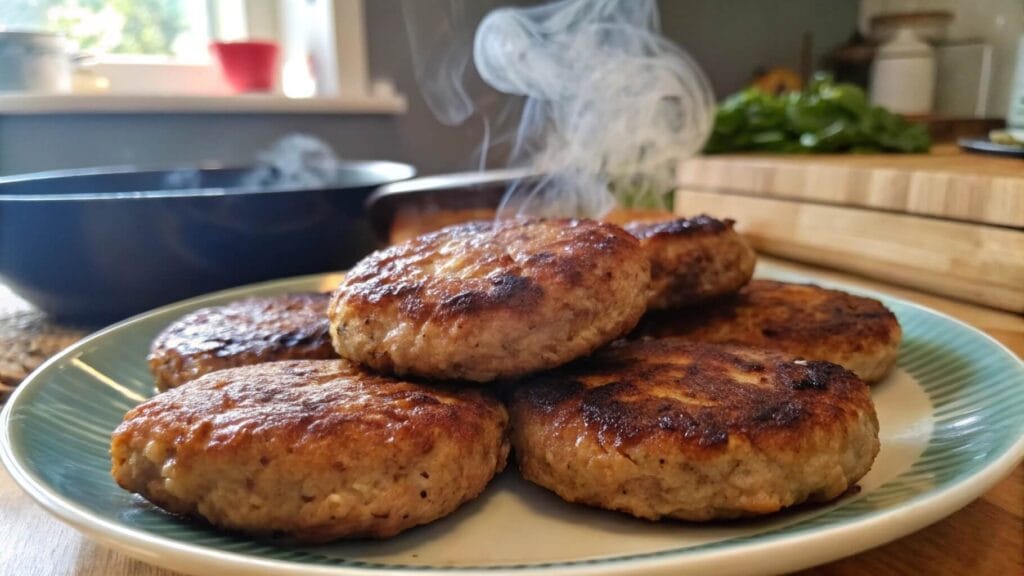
<point>842,133</point>
<point>147,75</point>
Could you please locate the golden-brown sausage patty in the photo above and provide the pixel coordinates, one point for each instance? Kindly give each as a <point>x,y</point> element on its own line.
<point>693,259</point>
<point>858,333</point>
<point>249,331</point>
<point>482,301</point>
<point>676,429</point>
<point>311,450</point>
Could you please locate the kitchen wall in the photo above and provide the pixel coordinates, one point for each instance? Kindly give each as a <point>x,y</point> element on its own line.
<point>729,39</point>
<point>998,23</point>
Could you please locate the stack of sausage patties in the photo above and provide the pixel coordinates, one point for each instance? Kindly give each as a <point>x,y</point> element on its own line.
<point>434,333</point>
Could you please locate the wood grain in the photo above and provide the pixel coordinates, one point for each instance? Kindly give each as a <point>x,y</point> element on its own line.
<point>983,264</point>
<point>985,538</point>
<point>945,183</point>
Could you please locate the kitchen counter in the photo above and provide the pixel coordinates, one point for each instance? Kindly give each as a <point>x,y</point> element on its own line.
<point>986,537</point>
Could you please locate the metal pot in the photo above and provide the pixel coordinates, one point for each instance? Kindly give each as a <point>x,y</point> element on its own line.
<point>34,62</point>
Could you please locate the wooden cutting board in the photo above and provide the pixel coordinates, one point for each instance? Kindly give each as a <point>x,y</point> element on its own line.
<point>946,222</point>
<point>946,183</point>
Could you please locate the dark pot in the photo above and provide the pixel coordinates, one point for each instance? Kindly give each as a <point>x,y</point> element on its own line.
<point>99,245</point>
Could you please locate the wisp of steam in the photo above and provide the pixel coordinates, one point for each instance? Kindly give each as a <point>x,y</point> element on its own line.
<point>296,161</point>
<point>611,104</point>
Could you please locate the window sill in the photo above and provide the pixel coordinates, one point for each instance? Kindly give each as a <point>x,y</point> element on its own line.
<point>41,104</point>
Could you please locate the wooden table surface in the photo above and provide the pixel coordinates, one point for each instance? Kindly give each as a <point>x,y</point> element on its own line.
<point>986,537</point>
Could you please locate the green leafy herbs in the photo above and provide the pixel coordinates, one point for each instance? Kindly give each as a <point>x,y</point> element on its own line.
<point>825,117</point>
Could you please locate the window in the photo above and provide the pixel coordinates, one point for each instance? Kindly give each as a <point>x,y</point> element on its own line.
<point>160,48</point>
<point>165,29</point>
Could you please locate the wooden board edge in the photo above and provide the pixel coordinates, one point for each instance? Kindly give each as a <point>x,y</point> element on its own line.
<point>913,251</point>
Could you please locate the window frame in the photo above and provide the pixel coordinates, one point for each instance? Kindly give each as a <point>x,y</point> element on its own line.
<point>342,44</point>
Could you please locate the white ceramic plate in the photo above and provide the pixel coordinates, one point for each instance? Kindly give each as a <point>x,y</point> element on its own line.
<point>951,428</point>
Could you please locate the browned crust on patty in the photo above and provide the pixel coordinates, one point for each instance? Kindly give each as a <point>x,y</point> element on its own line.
<point>511,267</point>
<point>702,224</point>
<point>801,319</point>
<point>694,397</point>
<point>311,450</point>
<point>249,331</point>
<point>480,301</point>
<point>693,259</point>
<point>669,428</point>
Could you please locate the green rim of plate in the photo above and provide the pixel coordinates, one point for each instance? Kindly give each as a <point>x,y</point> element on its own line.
<point>54,440</point>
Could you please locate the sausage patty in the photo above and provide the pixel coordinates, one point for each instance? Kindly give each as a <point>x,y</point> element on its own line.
<point>310,450</point>
<point>858,333</point>
<point>693,259</point>
<point>249,331</point>
<point>676,429</point>
<point>482,301</point>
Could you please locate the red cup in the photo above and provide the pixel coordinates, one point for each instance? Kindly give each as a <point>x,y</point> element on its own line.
<point>247,66</point>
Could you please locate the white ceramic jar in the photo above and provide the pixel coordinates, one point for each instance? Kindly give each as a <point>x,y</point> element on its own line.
<point>34,62</point>
<point>903,75</point>
<point>1015,111</point>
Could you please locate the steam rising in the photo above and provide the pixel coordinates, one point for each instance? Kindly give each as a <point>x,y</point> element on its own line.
<point>442,43</point>
<point>296,161</point>
<point>610,102</point>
